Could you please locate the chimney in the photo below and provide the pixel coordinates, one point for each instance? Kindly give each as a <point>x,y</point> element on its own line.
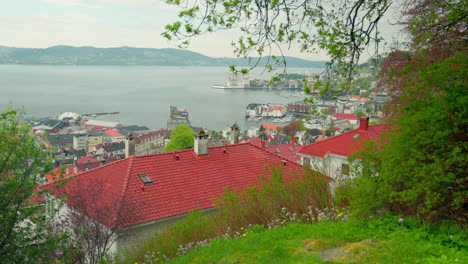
<point>129,145</point>
<point>75,170</point>
<point>364,123</point>
<point>293,140</point>
<point>200,145</point>
<point>235,134</point>
<point>262,143</point>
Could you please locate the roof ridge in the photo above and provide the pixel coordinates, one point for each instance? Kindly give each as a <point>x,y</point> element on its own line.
<point>85,172</point>
<point>269,152</point>
<point>328,138</point>
<point>124,190</point>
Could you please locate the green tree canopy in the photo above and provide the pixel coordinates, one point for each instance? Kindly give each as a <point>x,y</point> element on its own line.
<point>419,167</point>
<point>181,138</point>
<point>344,29</point>
<point>24,233</point>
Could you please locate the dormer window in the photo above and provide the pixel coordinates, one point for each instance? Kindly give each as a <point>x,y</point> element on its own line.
<point>145,179</point>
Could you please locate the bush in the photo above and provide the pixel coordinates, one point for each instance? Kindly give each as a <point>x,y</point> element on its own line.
<point>419,168</point>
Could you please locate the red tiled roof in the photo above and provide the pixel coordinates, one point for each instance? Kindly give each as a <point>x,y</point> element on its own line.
<point>256,142</point>
<point>269,127</point>
<point>288,151</point>
<point>345,116</point>
<point>61,173</point>
<point>180,185</point>
<point>279,108</point>
<point>113,133</point>
<point>270,137</point>
<point>344,144</point>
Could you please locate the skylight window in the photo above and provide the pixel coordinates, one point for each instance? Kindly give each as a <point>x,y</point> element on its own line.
<point>278,151</point>
<point>146,180</point>
<point>356,136</point>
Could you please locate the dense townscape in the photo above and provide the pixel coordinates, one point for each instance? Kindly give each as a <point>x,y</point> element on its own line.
<point>362,162</point>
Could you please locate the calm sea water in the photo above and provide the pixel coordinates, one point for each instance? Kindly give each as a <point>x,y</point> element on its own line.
<point>142,95</point>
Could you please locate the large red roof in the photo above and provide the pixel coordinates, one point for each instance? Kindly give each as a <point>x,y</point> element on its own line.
<point>181,183</point>
<point>345,116</point>
<point>85,160</point>
<point>344,144</point>
<point>113,133</point>
<point>288,151</point>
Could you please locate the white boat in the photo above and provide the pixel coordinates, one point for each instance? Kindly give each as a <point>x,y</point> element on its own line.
<point>234,82</point>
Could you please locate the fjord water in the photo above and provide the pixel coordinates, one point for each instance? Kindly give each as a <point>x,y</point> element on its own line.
<point>142,94</point>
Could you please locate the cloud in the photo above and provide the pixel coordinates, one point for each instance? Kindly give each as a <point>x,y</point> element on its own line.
<point>77,3</point>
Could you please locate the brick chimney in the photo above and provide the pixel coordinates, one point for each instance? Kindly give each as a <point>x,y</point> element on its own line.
<point>235,134</point>
<point>364,123</point>
<point>200,145</point>
<point>129,145</point>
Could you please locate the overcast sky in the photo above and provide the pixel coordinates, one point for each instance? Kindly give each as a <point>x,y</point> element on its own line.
<point>107,23</point>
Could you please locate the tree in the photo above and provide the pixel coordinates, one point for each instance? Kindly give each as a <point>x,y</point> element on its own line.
<point>359,113</point>
<point>25,236</point>
<point>89,221</point>
<point>419,167</point>
<point>262,133</point>
<point>181,138</point>
<point>343,29</point>
<point>292,128</point>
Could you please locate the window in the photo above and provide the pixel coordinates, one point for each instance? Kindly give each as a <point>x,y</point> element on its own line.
<point>345,169</point>
<point>146,180</point>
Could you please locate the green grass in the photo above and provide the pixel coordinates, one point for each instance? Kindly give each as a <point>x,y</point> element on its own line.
<point>405,242</point>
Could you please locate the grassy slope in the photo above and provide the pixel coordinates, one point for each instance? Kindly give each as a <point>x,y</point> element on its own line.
<point>406,242</point>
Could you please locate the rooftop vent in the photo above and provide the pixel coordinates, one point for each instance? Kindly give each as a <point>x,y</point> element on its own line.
<point>146,180</point>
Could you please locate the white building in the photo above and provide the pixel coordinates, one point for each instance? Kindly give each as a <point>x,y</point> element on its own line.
<point>329,155</point>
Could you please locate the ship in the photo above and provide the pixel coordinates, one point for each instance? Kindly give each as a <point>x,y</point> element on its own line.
<point>234,82</point>
<point>177,116</point>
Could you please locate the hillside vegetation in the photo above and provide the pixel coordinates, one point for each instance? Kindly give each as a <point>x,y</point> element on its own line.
<point>387,239</point>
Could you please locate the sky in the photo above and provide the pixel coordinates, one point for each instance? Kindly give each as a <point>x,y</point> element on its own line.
<point>110,23</point>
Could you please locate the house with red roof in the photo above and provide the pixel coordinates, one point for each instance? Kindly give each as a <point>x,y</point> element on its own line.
<point>112,136</point>
<point>353,119</point>
<point>269,127</point>
<point>61,173</point>
<point>329,155</point>
<point>140,195</point>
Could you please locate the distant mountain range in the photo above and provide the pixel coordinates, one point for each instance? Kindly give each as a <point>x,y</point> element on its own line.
<point>69,55</point>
